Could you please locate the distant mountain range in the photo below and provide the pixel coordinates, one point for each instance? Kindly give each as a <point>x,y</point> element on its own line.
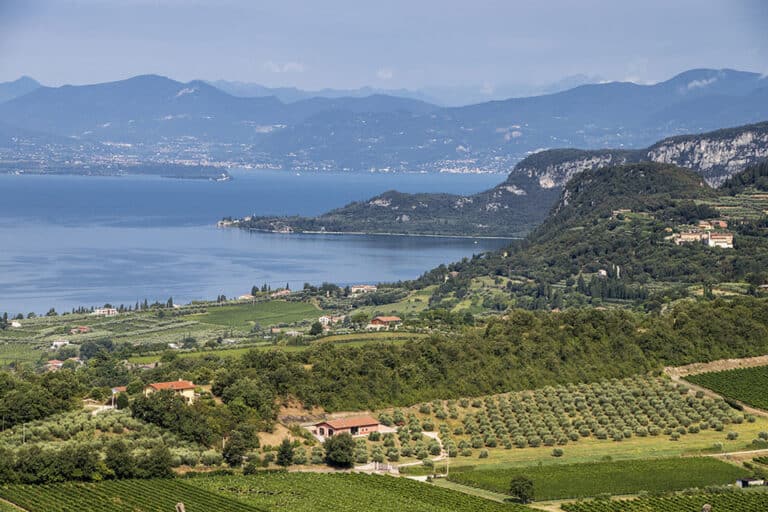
<point>523,200</point>
<point>146,116</point>
<point>445,96</point>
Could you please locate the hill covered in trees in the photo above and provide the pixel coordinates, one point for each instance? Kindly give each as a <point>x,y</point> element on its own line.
<point>609,236</point>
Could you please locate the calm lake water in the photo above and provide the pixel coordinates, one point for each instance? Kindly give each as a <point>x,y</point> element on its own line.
<point>67,241</point>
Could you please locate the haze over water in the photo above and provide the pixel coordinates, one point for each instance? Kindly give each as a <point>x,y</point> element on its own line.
<point>68,241</point>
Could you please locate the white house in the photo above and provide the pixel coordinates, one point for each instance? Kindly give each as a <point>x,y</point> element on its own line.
<point>59,343</point>
<point>105,312</point>
<point>15,324</point>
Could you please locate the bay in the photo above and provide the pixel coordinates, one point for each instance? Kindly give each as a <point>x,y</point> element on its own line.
<point>69,241</point>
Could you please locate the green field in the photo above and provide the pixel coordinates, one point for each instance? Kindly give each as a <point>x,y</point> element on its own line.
<point>264,492</point>
<point>619,477</point>
<point>748,385</point>
<point>264,313</point>
<point>734,501</point>
<point>309,492</point>
<point>120,496</point>
<point>13,352</point>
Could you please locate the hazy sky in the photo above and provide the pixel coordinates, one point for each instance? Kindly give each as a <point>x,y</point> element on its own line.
<point>386,43</point>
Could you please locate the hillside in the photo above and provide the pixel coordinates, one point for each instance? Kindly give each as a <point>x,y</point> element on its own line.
<point>522,201</point>
<point>610,236</point>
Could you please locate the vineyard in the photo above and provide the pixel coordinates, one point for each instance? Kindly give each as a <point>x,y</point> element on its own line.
<point>747,385</point>
<point>732,501</point>
<point>309,492</point>
<point>119,496</point>
<point>615,410</point>
<point>620,477</point>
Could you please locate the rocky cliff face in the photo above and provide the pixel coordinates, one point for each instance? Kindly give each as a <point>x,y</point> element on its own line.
<point>715,156</point>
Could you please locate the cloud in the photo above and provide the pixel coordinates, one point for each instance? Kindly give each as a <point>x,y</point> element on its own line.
<point>288,67</point>
<point>697,84</point>
<point>385,74</point>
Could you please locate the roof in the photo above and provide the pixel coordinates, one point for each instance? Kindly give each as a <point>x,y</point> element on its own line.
<point>388,318</point>
<point>176,385</point>
<point>119,389</point>
<point>356,421</point>
<point>54,362</point>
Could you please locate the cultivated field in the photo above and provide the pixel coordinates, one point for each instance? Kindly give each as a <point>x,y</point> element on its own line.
<point>746,385</point>
<point>119,496</point>
<point>264,313</point>
<point>309,492</point>
<point>734,501</point>
<point>620,477</point>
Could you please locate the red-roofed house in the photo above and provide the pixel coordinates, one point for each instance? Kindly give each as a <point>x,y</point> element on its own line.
<point>182,388</point>
<point>380,322</point>
<point>357,426</point>
<point>53,365</point>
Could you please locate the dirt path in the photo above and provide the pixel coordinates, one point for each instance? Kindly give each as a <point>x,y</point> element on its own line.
<point>12,505</point>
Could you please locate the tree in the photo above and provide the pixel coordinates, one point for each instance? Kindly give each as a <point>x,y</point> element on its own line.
<point>156,463</point>
<point>317,328</point>
<point>235,449</point>
<point>340,451</point>
<point>121,401</point>
<point>521,489</point>
<point>119,460</point>
<point>285,453</point>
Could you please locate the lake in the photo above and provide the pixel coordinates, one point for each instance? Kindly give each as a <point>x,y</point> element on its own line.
<point>69,241</point>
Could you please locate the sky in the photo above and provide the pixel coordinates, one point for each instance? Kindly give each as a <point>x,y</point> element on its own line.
<point>389,44</point>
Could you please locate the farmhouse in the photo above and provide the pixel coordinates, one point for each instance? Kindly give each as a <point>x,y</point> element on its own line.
<point>104,312</point>
<point>182,388</point>
<point>280,293</point>
<point>53,365</point>
<point>326,320</point>
<point>357,426</point>
<point>362,288</point>
<point>59,343</point>
<point>15,324</point>
<point>381,322</point>
<point>689,237</point>
<point>80,329</point>
<point>722,240</point>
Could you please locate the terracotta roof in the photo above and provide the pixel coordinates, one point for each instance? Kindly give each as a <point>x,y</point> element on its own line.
<point>388,318</point>
<point>118,389</point>
<point>176,385</point>
<point>357,421</point>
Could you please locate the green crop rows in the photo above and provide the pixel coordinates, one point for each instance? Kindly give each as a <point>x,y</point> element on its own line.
<point>619,477</point>
<point>119,496</point>
<point>734,501</point>
<point>748,385</point>
<point>310,492</point>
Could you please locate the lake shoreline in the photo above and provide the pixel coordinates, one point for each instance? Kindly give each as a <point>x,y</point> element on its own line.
<point>365,233</point>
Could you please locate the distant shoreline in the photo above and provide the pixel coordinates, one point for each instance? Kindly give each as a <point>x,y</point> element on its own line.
<point>364,233</point>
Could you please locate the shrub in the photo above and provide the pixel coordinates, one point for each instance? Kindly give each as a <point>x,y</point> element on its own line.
<point>557,452</point>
